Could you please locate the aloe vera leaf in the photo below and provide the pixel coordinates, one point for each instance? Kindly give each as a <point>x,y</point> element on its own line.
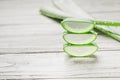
<point>113,35</point>
<point>79,38</point>
<point>80,50</point>
<point>77,26</point>
<point>107,23</point>
<point>54,13</point>
<point>78,12</point>
<point>73,9</point>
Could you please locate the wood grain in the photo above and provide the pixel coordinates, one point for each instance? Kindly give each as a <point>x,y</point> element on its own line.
<point>31,44</point>
<point>59,66</point>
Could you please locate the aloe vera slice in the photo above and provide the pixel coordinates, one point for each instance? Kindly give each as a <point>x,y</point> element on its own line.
<point>80,50</point>
<point>79,38</point>
<point>77,26</point>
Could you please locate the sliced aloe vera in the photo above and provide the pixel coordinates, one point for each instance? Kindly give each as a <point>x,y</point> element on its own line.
<point>80,50</point>
<point>79,38</point>
<point>77,26</point>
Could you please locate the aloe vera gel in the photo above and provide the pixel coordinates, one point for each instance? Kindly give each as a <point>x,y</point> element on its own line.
<point>79,37</point>
<point>77,25</point>
<point>80,50</point>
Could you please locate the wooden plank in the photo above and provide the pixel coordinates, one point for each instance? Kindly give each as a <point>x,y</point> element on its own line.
<point>59,66</point>
<point>41,38</point>
<point>21,8</point>
<point>22,12</point>
<point>35,38</point>
<point>22,30</point>
<point>42,44</point>
<point>25,20</point>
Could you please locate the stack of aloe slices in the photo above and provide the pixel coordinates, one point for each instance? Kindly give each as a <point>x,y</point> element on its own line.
<point>80,37</point>
<point>62,11</point>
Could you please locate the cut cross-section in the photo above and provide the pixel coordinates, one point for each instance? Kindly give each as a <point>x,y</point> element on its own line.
<point>79,38</point>
<point>80,50</point>
<point>77,25</point>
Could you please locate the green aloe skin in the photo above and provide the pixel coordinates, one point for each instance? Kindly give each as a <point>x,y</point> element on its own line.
<point>79,39</point>
<point>80,50</point>
<point>77,26</point>
<point>107,23</point>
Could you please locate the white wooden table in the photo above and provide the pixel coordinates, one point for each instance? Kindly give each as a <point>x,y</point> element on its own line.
<point>31,44</point>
